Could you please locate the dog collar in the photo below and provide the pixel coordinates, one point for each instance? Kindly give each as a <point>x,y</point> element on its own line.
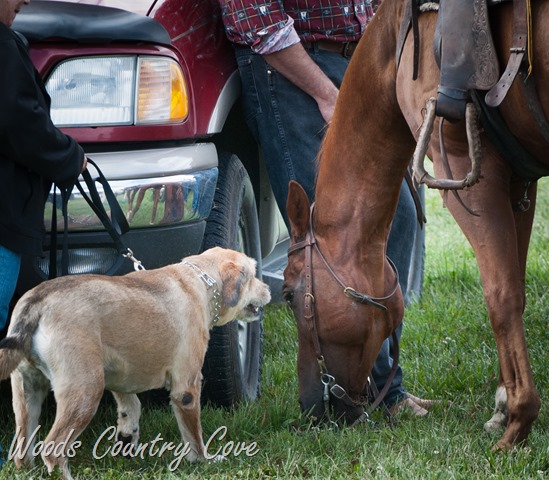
<point>215,302</point>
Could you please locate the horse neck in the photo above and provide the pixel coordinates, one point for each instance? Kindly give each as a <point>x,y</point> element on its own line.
<point>359,178</point>
<point>353,213</point>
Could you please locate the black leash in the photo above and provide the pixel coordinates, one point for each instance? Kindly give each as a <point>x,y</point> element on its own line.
<point>116,224</point>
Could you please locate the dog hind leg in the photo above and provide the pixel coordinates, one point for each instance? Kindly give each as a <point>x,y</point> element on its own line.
<point>29,389</point>
<point>186,406</point>
<point>76,406</point>
<point>129,413</point>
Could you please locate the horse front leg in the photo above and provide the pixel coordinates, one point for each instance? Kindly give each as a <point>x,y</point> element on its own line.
<point>517,399</point>
<point>500,237</point>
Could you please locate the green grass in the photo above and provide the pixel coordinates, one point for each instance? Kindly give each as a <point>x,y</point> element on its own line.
<point>448,352</point>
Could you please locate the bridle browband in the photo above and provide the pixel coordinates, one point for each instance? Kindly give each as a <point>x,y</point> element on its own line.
<point>327,380</point>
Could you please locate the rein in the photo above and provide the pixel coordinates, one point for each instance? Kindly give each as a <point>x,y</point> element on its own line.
<point>328,381</point>
<point>115,224</point>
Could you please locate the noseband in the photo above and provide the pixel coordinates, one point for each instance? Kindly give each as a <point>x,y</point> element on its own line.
<point>328,381</point>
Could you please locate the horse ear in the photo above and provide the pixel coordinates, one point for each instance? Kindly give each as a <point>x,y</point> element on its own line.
<point>298,209</point>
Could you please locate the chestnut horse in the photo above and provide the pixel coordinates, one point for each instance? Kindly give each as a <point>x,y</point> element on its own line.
<point>342,241</point>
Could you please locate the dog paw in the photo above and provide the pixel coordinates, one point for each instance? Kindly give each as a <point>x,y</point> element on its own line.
<point>127,440</point>
<point>217,459</point>
<point>124,439</point>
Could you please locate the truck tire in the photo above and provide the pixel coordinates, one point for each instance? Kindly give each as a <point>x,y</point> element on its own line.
<point>233,364</point>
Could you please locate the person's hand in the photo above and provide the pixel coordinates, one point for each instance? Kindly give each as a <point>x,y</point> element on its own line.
<point>85,163</point>
<point>298,67</point>
<point>327,107</point>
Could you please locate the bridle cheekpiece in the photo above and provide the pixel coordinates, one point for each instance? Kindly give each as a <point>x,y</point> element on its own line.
<point>328,381</point>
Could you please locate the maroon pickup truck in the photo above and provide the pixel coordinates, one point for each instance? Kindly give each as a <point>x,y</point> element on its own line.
<point>150,90</point>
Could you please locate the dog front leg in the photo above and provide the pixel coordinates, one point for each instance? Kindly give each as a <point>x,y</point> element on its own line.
<point>186,406</point>
<point>129,413</point>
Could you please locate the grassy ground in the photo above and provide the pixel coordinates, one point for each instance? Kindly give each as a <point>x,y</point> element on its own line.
<point>448,352</point>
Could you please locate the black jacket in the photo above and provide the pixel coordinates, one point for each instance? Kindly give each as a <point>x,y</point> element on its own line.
<point>33,152</point>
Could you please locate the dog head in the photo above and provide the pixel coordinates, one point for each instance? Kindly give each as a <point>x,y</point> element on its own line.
<point>242,293</point>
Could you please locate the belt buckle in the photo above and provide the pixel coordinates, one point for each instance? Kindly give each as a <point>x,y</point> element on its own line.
<point>348,49</point>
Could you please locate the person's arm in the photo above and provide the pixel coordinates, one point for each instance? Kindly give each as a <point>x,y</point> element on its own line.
<point>280,46</point>
<point>29,136</point>
<point>297,66</point>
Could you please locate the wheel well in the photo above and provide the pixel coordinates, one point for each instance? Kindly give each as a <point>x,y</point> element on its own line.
<point>237,138</point>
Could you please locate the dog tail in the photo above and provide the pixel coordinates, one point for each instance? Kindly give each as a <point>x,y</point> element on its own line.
<point>17,345</point>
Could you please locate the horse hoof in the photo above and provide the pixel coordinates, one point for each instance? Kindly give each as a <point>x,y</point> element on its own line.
<point>502,446</point>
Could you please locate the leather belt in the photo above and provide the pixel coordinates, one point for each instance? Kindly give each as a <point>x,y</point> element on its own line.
<point>343,48</point>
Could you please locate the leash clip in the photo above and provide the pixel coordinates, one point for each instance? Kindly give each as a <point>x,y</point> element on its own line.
<point>136,263</point>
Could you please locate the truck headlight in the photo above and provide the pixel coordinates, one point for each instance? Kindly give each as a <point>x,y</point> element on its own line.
<point>125,90</point>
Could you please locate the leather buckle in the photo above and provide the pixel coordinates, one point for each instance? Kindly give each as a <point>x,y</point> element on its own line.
<point>348,49</point>
<point>338,391</point>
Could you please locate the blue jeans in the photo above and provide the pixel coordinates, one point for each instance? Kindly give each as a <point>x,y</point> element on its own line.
<point>9,271</point>
<point>10,263</point>
<point>287,124</point>
<point>404,226</point>
<point>285,121</point>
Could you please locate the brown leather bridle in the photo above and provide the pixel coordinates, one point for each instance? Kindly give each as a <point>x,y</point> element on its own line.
<point>328,381</point>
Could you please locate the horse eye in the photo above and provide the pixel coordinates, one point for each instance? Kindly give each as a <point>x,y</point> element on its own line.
<point>288,296</point>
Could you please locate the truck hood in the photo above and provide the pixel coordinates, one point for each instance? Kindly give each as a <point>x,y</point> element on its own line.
<point>141,7</point>
<point>100,21</point>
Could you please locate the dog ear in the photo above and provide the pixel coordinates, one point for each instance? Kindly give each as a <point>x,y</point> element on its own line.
<point>233,277</point>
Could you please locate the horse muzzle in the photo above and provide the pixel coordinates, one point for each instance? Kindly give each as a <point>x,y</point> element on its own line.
<point>330,404</point>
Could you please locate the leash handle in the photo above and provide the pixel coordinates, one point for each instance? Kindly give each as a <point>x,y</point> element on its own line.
<point>116,224</point>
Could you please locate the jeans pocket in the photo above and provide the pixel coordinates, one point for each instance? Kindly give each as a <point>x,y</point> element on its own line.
<point>250,94</point>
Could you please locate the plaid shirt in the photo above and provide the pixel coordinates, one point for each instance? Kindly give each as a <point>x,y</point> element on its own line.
<point>268,26</point>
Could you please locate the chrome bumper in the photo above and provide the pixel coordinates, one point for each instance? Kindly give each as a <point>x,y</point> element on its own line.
<point>160,187</point>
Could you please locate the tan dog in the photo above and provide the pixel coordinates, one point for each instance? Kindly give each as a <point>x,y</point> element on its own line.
<point>79,335</point>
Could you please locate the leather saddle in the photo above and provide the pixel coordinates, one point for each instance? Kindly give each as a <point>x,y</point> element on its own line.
<point>465,53</point>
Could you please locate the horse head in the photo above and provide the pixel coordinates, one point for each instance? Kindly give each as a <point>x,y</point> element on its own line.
<point>340,331</point>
